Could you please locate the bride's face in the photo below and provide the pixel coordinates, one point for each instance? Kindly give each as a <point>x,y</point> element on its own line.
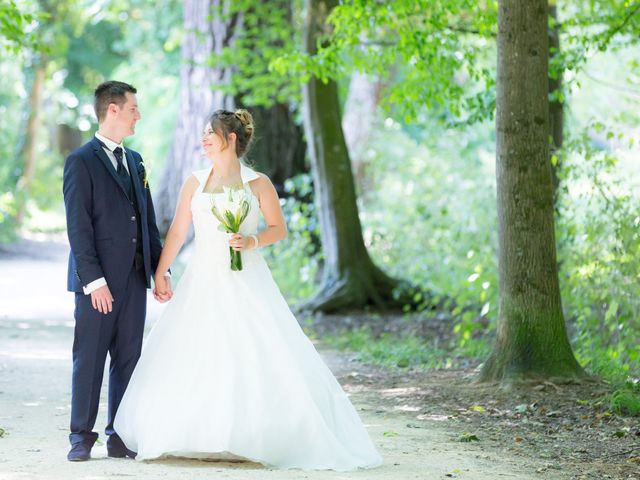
<point>213,142</point>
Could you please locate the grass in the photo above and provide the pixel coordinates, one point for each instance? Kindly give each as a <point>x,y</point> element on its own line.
<point>406,352</point>
<point>625,396</point>
<point>412,352</point>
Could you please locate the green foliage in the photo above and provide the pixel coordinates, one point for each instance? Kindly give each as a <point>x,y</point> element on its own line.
<point>10,108</point>
<point>267,32</point>
<point>599,251</point>
<point>137,42</point>
<point>428,215</point>
<point>626,400</point>
<point>427,206</point>
<point>8,224</point>
<point>401,352</point>
<point>131,40</point>
<point>295,261</point>
<point>408,352</point>
<point>16,27</point>
<point>590,27</point>
<point>435,53</point>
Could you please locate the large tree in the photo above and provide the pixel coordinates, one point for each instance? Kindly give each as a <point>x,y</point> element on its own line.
<point>223,43</point>
<point>350,279</point>
<point>205,33</point>
<point>531,335</point>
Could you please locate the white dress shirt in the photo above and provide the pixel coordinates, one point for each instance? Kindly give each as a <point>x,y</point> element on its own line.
<point>110,147</point>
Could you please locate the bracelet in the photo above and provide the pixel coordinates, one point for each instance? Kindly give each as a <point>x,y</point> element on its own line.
<point>255,239</point>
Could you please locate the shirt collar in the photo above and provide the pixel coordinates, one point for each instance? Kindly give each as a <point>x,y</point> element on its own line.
<point>110,144</point>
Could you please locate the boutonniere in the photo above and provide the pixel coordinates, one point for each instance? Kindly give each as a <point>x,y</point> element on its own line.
<point>142,172</point>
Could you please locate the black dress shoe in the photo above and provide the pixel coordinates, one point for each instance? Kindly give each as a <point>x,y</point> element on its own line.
<point>120,453</point>
<point>79,453</point>
<point>117,449</point>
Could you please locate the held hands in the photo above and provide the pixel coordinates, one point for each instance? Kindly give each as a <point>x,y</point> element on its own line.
<point>102,300</point>
<point>162,291</point>
<point>239,242</point>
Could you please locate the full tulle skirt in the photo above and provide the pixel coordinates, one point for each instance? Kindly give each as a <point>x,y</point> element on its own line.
<point>227,372</point>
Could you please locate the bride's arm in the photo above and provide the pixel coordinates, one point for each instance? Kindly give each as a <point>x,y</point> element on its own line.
<point>270,206</point>
<point>179,227</point>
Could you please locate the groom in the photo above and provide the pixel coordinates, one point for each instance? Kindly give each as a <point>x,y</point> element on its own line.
<point>115,247</point>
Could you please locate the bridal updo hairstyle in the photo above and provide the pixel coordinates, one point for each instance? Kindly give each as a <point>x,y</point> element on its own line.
<point>239,122</point>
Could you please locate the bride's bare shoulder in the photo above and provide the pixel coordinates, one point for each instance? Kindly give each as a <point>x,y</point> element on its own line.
<point>262,181</point>
<point>190,185</point>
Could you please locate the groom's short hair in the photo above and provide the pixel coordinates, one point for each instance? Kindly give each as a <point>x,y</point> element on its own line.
<point>109,92</point>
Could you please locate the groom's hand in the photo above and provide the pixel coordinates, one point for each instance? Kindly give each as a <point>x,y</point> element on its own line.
<point>162,291</point>
<point>102,300</point>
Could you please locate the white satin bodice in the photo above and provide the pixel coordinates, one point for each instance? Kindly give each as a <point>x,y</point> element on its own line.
<point>212,244</point>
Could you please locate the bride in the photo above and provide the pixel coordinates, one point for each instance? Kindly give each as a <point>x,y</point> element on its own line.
<point>227,372</point>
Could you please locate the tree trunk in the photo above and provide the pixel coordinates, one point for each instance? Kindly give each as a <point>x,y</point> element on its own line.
<point>67,139</point>
<point>279,148</point>
<point>29,153</point>
<point>556,106</point>
<point>205,32</point>
<point>531,335</point>
<point>358,120</point>
<point>350,280</point>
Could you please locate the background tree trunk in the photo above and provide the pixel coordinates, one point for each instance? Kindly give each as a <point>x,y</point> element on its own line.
<point>359,117</point>
<point>67,139</point>
<point>205,32</point>
<point>350,279</point>
<point>29,152</point>
<point>531,335</point>
<point>279,150</point>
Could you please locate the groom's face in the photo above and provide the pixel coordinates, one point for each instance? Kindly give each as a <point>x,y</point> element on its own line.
<point>127,115</point>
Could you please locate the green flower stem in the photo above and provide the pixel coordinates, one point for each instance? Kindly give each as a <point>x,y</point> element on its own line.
<point>236,260</point>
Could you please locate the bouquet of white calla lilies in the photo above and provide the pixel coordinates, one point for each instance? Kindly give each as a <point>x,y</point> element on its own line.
<point>231,208</point>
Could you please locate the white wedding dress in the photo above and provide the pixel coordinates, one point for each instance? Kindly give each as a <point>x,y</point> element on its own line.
<point>227,372</point>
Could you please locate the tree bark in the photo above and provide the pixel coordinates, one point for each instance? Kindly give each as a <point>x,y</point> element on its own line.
<point>29,152</point>
<point>531,335</point>
<point>205,32</point>
<point>350,280</point>
<point>279,148</point>
<point>67,139</point>
<point>358,120</point>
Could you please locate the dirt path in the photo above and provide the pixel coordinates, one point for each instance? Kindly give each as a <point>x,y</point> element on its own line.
<point>416,439</point>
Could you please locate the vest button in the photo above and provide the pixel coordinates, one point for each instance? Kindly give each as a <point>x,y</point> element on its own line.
<point>133,219</point>
<point>133,240</point>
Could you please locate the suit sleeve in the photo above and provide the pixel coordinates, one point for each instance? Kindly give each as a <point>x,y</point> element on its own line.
<point>77,188</point>
<point>154,234</point>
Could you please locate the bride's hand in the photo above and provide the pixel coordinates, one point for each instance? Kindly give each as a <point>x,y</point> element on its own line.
<point>239,242</point>
<point>162,291</point>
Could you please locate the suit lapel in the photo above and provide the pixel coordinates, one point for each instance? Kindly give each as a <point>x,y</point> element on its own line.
<point>135,179</point>
<point>100,153</point>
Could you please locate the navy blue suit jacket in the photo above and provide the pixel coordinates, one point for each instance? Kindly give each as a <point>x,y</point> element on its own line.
<point>102,221</point>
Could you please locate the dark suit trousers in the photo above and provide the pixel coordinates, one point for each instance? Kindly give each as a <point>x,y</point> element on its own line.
<point>120,334</point>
